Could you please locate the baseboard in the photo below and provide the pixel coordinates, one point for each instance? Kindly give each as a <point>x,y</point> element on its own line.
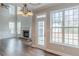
<point>7,38</point>
<point>53,51</point>
<point>57,52</point>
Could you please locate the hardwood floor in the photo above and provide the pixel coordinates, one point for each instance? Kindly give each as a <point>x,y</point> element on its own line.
<point>16,47</point>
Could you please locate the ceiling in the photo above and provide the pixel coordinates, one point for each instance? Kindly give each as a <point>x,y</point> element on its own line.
<point>33,6</point>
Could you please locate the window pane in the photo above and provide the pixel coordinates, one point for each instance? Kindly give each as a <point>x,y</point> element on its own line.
<point>70,12</point>
<point>12,27</point>
<point>19,28</point>
<point>75,11</point>
<point>66,12</point>
<point>66,41</point>
<point>71,34</point>
<point>57,19</point>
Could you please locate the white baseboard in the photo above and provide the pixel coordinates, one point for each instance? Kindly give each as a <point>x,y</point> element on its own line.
<point>8,38</point>
<point>53,51</point>
<point>57,52</point>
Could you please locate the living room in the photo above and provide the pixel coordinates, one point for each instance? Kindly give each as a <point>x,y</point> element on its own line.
<point>39,29</point>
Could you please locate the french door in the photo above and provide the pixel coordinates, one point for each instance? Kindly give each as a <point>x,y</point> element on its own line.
<point>41,30</point>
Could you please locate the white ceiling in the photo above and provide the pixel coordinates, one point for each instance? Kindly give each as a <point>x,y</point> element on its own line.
<point>34,6</point>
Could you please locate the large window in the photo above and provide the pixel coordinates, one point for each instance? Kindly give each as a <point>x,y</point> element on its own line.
<point>12,27</point>
<point>71,26</point>
<point>18,27</point>
<point>56,27</point>
<point>11,10</point>
<point>65,26</point>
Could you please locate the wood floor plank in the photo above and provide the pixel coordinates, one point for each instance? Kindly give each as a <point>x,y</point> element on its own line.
<point>16,47</point>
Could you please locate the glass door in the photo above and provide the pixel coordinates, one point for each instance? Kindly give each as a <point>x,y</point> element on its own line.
<point>40,29</point>
<point>41,32</point>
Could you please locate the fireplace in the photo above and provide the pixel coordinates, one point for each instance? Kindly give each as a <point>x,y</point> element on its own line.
<point>26,33</point>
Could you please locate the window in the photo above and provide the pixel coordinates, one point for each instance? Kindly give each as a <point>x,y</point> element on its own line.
<point>11,10</point>
<point>18,27</point>
<point>71,26</point>
<point>12,27</point>
<point>65,26</point>
<point>56,27</point>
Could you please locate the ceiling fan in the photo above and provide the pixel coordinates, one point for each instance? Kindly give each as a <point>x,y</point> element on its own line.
<point>4,5</point>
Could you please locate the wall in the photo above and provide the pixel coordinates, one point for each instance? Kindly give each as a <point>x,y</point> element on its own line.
<point>26,23</point>
<point>54,48</point>
<point>9,15</point>
<point>5,18</point>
